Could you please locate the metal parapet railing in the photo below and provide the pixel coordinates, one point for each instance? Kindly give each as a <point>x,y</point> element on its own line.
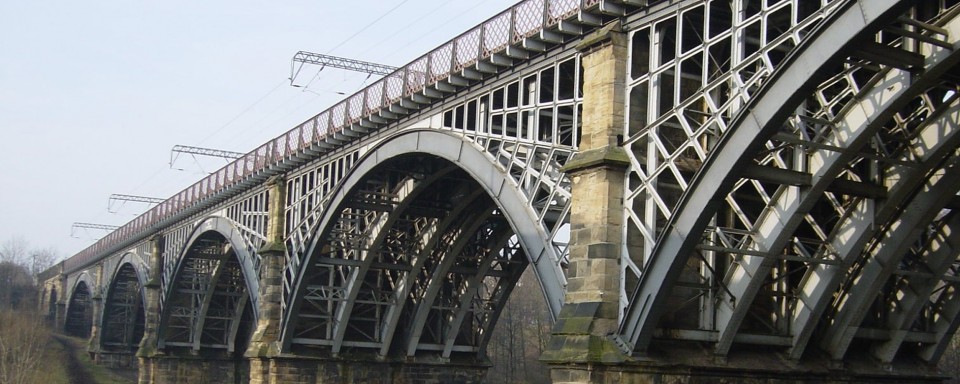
<point>527,28</point>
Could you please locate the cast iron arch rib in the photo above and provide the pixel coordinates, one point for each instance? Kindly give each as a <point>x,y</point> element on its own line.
<point>865,218</point>
<point>123,319</point>
<point>211,285</point>
<point>79,320</point>
<point>406,192</point>
<point>480,168</point>
<point>758,122</point>
<point>429,240</point>
<point>853,131</point>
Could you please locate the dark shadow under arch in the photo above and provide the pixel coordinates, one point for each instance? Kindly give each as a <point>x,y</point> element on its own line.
<point>79,320</point>
<point>123,319</point>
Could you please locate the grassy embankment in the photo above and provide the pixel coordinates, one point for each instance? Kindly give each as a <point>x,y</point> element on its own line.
<point>30,353</point>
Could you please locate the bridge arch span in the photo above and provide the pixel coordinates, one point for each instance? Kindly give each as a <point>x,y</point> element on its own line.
<point>869,139</point>
<point>79,319</point>
<point>211,297</point>
<point>402,198</point>
<point>134,263</point>
<point>124,317</point>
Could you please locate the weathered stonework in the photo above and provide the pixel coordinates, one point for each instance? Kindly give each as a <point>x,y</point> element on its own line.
<point>689,363</point>
<point>303,370</point>
<point>93,345</point>
<point>193,370</point>
<point>148,345</point>
<point>119,360</point>
<point>263,343</point>
<point>589,315</point>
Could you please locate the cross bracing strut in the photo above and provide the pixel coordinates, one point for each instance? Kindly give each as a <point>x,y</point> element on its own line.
<point>304,57</point>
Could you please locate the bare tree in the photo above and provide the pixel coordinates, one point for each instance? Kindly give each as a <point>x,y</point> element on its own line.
<point>22,340</point>
<point>17,288</point>
<point>14,250</point>
<point>23,336</point>
<point>512,350</point>
<point>41,259</point>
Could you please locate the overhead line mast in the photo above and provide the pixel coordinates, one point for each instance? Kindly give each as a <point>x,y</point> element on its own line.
<point>103,227</point>
<point>177,149</point>
<point>114,198</point>
<point>304,57</point>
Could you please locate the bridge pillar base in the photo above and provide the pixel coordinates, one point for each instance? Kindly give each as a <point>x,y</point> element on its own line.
<point>322,371</point>
<point>200,370</point>
<point>686,375</point>
<point>123,360</point>
<point>690,364</point>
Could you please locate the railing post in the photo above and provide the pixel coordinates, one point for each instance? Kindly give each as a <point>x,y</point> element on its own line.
<point>264,344</point>
<point>581,337</point>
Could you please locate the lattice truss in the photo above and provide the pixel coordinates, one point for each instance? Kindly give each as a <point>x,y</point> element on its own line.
<point>414,236</point>
<point>208,304</point>
<point>837,206</point>
<point>531,127</point>
<point>246,214</point>
<point>123,313</point>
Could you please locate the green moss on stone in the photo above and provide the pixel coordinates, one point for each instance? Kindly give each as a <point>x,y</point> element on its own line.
<point>607,156</point>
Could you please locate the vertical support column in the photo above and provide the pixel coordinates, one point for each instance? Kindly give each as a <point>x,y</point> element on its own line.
<point>263,344</point>
<point>151,311</point>
<point>93,345</point>
<point>60,312</point>
<point>581,337</point>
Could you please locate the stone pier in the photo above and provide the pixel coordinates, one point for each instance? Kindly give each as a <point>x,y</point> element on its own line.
<point>581,336</point>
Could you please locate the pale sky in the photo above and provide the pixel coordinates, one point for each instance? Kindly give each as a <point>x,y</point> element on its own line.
<point>94,94</point>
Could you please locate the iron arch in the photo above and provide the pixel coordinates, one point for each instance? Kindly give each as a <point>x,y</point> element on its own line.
<point>225,228</point>
<point>124,317</point>
<point>79,319</point>
<point>726,165</point>
<point>489,188</point>
<point>211,300</point>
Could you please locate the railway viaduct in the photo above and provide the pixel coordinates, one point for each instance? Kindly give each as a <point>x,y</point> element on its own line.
<point>742,190</point>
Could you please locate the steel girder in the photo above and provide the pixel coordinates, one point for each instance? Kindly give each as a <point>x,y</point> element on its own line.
<point>775,195</point>
<point>441,289</point>
<point>243,222</point>
<point>123,318</point>
<point>936,140</point>
<point>913,291</point>
<point>243,241</point>
<point>883,257</point>
<point>430,237</point>
<point>482,299</point>
<point>385,231</point>
<point>422,227</point>
<point>941,312</point>
<point>208,301</point>
<point>777,226</point>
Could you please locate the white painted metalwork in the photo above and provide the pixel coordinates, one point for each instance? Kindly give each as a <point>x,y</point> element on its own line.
<point>791,184</point>
<point>742,208</point>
